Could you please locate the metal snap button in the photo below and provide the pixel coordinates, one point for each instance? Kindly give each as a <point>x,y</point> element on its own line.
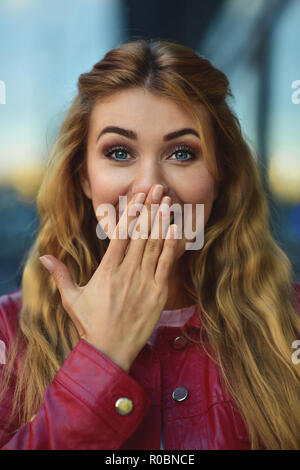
<point>179,342</point>
<point>124,406</point>
<point>180,394</point>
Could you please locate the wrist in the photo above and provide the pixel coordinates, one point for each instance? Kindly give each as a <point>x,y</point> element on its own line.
<point>119,359</point>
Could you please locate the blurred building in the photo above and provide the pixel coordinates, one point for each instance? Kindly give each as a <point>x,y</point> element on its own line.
<point>45,45</point>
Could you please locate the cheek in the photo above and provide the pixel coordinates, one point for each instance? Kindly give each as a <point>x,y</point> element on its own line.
<point>102,190</point>
<point>103,193</point>
<point>105,186</point>
<point>200,189</point>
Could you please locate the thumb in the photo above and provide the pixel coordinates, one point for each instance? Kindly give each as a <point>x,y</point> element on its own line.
<point>60,274</point>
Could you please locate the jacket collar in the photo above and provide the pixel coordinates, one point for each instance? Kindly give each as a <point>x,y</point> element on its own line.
<point>194,320</point>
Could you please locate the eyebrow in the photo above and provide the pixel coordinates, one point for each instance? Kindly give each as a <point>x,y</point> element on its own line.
<point>132,135</point>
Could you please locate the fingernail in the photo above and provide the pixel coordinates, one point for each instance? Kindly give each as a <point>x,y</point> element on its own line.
<point>157,193</point>
<point>140,198</point>
<point>165,205</point>
<point>166,200</point>
<point>47,263</point>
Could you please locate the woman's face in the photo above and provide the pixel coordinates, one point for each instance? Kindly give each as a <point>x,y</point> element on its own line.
<point>124,165</point>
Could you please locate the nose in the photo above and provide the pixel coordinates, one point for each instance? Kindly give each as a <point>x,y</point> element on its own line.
<point>146,178</point>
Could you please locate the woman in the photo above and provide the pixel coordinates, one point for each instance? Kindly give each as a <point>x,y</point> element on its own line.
<point>138,342</point>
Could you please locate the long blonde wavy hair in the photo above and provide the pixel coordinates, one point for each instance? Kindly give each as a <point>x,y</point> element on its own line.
<point>241,279</point>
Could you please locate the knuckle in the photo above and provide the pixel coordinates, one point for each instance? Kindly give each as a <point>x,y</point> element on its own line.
<point>153,245</point>
<point>170,243</point>
<point>58,276</point>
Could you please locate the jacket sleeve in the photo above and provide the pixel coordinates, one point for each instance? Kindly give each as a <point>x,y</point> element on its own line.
<point>78,410</point>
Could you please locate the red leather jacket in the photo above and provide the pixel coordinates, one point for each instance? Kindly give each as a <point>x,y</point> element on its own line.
<point>176,384</point>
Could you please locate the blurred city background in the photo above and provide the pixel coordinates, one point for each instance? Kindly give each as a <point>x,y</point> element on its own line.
<point>45,45</point>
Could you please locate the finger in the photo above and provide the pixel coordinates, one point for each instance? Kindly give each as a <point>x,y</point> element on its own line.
<point>158,233</point>
<point>62,278</point>
<point>142,227</point>
<point>167,257</point>
<point>116,250</point>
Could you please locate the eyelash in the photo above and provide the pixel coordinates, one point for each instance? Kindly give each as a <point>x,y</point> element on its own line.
<point>108,153</point>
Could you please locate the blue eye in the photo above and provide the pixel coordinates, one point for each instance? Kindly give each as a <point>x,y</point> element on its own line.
<point>120,153</point>
<point>183,151</point>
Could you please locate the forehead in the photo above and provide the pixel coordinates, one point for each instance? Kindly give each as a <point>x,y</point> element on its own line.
<point>143,111</point>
